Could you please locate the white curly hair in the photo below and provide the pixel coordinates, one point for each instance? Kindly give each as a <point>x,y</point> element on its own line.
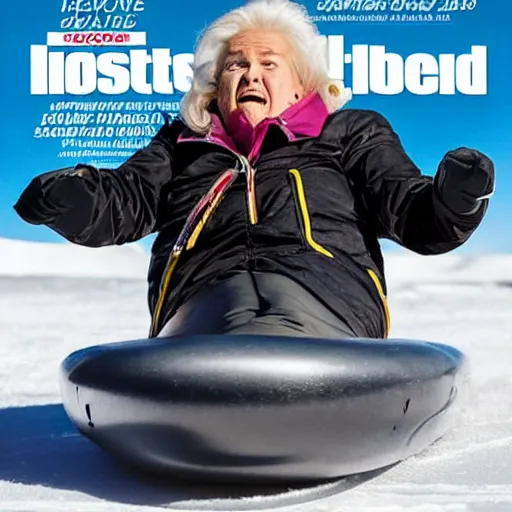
<point>286,17</point>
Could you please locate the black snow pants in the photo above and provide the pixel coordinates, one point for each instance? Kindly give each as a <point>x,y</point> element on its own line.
<point>248,302</point>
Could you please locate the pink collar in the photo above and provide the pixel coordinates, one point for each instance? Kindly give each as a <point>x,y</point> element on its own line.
<point>305,118</point>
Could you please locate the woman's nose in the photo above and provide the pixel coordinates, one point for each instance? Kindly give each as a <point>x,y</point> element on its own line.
<point>253,73</point>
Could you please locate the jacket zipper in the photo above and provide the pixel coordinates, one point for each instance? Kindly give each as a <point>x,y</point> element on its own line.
<point>303,213</point>
<point>251,192</point>
<point>187,238</point>
<point>249,171</point>
<point>305,222</point>
<point>194,225</point>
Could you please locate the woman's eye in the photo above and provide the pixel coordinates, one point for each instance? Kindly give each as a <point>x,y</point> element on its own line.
<point>269,65</point>
<point>233,66</point>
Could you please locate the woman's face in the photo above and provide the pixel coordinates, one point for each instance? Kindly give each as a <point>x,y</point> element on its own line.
<point>257,76</point>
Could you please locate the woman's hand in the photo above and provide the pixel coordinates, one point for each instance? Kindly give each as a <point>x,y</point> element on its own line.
<point>38,203</point>
<point>464,179</point>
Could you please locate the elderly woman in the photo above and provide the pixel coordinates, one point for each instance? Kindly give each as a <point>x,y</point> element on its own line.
<point>268,198</point>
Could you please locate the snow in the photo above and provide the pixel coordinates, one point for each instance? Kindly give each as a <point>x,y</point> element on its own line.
<point>55,298</point>
<point>23,258</point>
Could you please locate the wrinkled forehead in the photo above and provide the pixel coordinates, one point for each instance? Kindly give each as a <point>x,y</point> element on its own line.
<point>260,43</point>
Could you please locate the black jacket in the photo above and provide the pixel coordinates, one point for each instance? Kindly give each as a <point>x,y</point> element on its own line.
<point>321,203</point>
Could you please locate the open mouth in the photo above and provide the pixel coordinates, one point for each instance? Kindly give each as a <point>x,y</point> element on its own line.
<point>246,98</point>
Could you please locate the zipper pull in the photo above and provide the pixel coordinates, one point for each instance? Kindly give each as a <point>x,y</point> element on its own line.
<point>251,190</point>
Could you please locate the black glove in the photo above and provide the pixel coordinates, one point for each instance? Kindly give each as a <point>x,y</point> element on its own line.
<point>464,180</point>
<point>43,201</point>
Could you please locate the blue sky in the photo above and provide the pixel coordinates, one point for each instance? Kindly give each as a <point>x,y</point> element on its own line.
<point>428,125</point>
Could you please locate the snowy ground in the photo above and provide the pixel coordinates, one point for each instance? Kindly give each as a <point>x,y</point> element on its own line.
<point>45,466</point>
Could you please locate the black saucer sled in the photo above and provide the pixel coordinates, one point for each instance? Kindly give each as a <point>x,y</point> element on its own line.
<point>262,410</point>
